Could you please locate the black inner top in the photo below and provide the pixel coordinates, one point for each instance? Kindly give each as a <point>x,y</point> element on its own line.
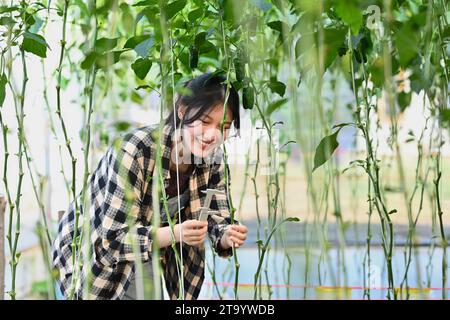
<point>171,190</point>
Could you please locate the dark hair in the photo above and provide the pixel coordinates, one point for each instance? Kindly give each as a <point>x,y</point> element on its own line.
<point>207,91</point>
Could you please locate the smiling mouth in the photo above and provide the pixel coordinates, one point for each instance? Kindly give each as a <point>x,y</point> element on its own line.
<point>204,145</point>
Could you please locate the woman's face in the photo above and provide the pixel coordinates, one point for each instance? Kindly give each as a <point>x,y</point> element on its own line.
<point>203,135</point>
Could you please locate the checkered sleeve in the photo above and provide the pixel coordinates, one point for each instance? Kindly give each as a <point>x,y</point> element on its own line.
<point>217,224</point>
<point>123,236</point>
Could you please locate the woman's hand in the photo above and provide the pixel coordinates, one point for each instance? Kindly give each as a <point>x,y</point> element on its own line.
<point>194,232</point>
<point>234,235</point>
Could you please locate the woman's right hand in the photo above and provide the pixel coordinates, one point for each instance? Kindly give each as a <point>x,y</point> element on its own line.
<point>194,232</point>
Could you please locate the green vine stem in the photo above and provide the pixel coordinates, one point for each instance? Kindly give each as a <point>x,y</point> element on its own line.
<point>438,156</point>
<point>42,228</point>
<point>227,62</point>
<point>89,89</point>
<point>68,145</point>
<point>2,247</point>
<point>19,110</point>
<point>255,189</point>
<point>432,204</point>
<point>317,230</point>
<point>165,71</point>
<point>5,131</point>
<point>444,242</point>
<point>14,238</point>
<point>437,186</point>
<point>372,169</point>
<point>264,249</point>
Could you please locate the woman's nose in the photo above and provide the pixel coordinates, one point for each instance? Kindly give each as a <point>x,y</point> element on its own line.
<point>210,136</point>
<point>208,139</point>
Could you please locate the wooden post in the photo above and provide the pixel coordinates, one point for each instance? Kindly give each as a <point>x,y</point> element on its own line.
<point>2,247</point>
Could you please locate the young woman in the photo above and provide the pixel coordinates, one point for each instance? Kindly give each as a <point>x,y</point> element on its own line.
<point>121,200</point>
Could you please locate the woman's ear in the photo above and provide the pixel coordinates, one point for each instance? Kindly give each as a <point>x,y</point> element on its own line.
<point>181,111</point>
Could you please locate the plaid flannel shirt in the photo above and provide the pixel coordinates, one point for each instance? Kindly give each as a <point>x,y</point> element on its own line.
<point>116,223</point>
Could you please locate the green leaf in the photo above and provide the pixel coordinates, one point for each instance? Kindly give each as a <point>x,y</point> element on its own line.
<point>350,14</point>
<point>403,100</point>
<point>34,28</point>
<point>292,219</point>
<point>341,125</point>
<point>278,26</point>
<point>102,61</point>
<point>354,164</point>
<point>35,43</point>
<point>184,58</point>
<point>444,116</point>
<point>40,4</point>
<point>195,14</point>
<point>145,86</point>
<point>178,24</point>
<point>122,125</point>
<point>199,3</point>
<point>174,7</point>
<point>7,21</point>
<point>232,13</point>
<point>136,98</point>
<point>3,82</point>
<point>132,42</point>
<point>334,40</point>
<point>127,18</point>
<point>325,149</point>
<point>207,46</point>
<point>28,19</point>
<point>275,105</point>
<point>83,8</point>
<point>377,70</point>
<point>407,40</point>
<point>5,9</point>
<point>141,67</point>
<point>277,87</point>
<point>89,60</point>
<point>446,32</point>
<point>303,44</point>
<point>143,48</point>
<point>109,58</point>
<point>200,38</point>
<point>145,3</point>
<point>105,44</point>
<point>362,45</point>
<point>141,44</point>
<point>407,44</point>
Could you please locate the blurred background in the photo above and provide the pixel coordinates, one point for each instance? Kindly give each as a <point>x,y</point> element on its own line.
<point>344,127</point>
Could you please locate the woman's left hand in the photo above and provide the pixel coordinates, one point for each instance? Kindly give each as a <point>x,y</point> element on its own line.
<point>234,235</point>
